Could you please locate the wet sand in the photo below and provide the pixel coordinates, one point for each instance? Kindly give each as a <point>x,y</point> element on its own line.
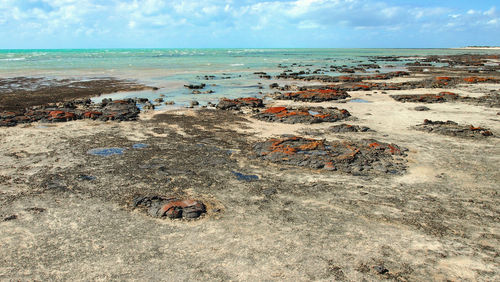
<point>436,221</point>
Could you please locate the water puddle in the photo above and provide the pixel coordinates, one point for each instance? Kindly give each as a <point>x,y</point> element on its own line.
<point>245,177</point>
<point>313,113</point>
<point>140,146</point>
<point>105,152</point>
<point>359,101</point>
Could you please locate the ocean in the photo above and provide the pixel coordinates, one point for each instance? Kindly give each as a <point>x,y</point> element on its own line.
<point>231,71</point>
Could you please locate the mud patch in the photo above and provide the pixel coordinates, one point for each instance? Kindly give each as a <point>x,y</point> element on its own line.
<point>451,128</point>
<point>302,115</point>
<point>172,208</point>
<point>356,157</point>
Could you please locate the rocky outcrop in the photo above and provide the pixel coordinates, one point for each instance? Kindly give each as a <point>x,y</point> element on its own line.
<point>236,104</point>
<point>172,208</point>
<point>451,128</point>
<point>314,95</point>
<point>302,115</point>
<point>122,110</point>
<point>356,157</point>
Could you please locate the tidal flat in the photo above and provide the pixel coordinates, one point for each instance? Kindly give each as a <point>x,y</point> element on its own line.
<point>298,181</point>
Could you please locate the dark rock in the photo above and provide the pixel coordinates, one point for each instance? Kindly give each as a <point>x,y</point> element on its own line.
<point>170,207</point>
<point>302,115</point>
<point>427,98</point>
<point>342,128</point>
<point>421,108</point>
<point>195,86</point>
<point>380,269</point>
<point>360,157</point>
<point>451,128</point>
<point>35,210</point>
<point>194,103</point>
<point>11,217</point>
<point>314,95</point>
<point>237,104</point>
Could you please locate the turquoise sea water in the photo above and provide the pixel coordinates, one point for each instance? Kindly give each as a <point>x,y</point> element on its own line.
<point>170,69</point>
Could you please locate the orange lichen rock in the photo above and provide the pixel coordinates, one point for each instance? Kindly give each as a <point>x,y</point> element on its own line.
<point>61,115</point>
<point>477,79</point>
<point>347,156</point>
<point>236,104</point>
<point>275,110</point>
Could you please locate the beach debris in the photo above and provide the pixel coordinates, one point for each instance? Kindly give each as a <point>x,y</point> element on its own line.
<point>314,95</point>
<point>237,104</point>
<point>161,207</point>
<point>451,128</point>
<point>302,115</point>
<point>342,128</point>
<point>355,157</point>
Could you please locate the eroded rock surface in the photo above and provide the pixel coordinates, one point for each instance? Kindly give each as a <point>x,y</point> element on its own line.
<point>236,104</point>
<point>302,115</point>
<point>342,128</point>
<point>365,156</point>
<point>123,110</point>
<point>162,207</point>
<point>314,95</point>
<point>451,128</point>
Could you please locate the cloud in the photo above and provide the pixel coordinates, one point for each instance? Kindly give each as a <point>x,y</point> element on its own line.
<point>244,22</point>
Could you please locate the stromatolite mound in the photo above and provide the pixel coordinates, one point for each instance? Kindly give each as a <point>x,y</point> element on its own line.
<point>161,207</point>
<point>314,95</point>
<point>427,98</point>
<point>302,115</point>
<point>236,104</point>
<point>122,110</point>
<point>343,128</point>
<point>357,157</point>
<point>451,128</point>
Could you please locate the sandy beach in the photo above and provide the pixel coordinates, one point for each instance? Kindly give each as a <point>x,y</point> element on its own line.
<point>398,202</point>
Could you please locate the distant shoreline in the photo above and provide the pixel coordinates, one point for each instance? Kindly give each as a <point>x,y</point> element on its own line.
<point>478,48</point>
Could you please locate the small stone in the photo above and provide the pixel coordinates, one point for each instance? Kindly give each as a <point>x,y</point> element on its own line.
<point>380,269</point>
<point>421,108</point>
<point>9,218</point>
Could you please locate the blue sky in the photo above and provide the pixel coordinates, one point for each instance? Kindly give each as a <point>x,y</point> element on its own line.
<point>248,23</point>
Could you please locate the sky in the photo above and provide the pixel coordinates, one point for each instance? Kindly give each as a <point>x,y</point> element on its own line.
<point>38,24</point>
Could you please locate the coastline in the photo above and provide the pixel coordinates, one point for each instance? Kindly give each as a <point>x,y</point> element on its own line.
<point>422,207</point>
